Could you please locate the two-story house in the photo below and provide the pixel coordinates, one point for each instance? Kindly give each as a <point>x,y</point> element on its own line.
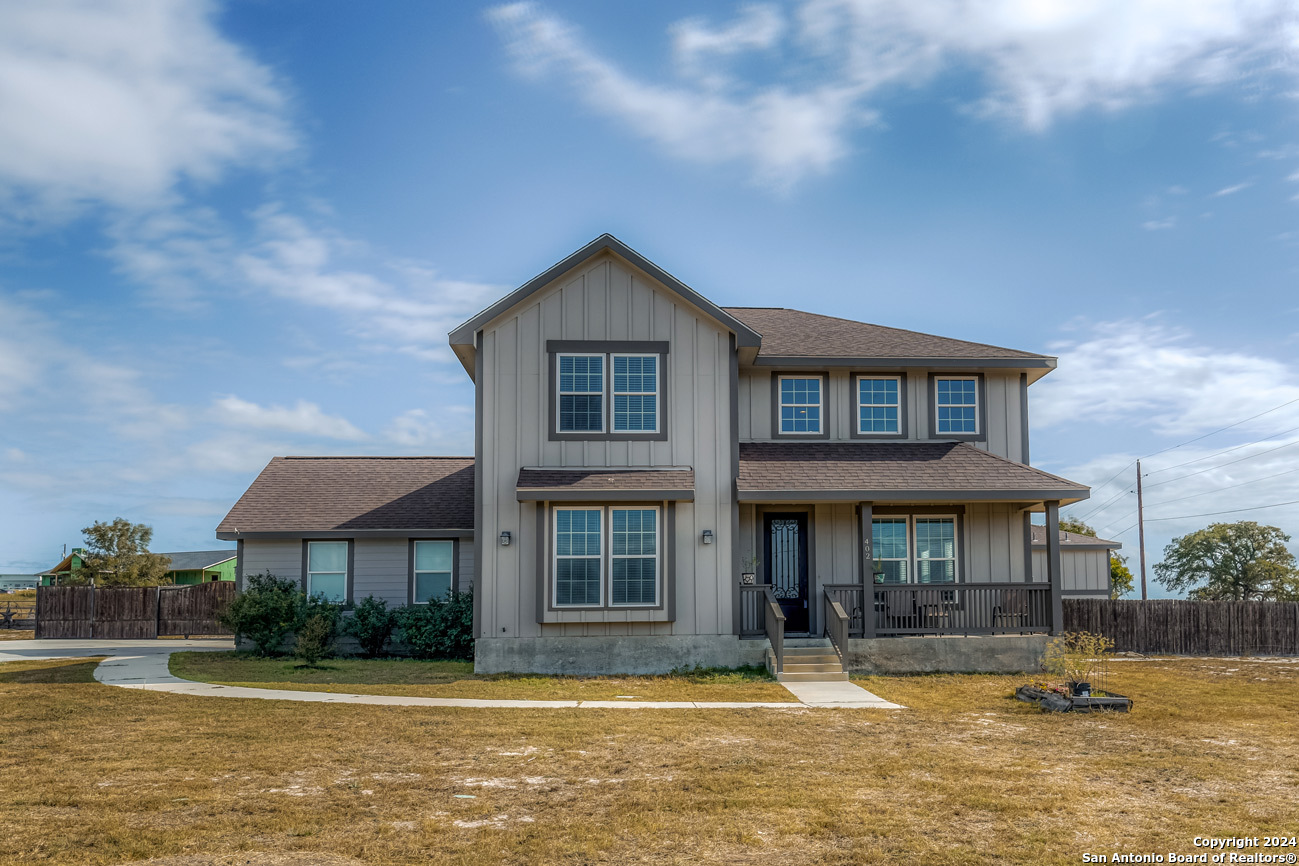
<point>660,482</point>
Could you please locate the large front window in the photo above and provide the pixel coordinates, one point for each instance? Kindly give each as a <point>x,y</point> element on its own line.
<point>609,394</point>
<point>622,573</point>
<point>801,405</point>
<point>920,549</point>
<point>327,570</point>
<point>957,405</point>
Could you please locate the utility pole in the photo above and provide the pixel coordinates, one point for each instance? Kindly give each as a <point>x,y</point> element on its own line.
<point>1141,533</point>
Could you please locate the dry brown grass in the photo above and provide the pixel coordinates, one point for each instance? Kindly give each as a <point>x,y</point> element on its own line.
<point>17,634</point>
<point>97,775</point>
<point>456,679</point>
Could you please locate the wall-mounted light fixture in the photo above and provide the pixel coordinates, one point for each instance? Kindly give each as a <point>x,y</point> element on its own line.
<point>708,536</point>
<point>505,539</point>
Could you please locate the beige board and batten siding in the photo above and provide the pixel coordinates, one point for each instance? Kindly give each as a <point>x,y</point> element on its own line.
<point>1004,436</point>
<point>1081,571</point>
<point>605,299</point>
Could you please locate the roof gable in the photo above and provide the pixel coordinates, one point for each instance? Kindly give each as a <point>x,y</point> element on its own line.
<point>462,338</point>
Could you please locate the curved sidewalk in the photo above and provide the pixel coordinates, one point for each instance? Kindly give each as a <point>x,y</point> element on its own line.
<point>144,665</point>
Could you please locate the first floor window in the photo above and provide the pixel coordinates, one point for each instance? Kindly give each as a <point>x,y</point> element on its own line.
<point>327,570</point>
<point>433,570</point>
<point>622,573</point>
<point>878,402</point>
<point>800,404</point>
<point>957,405</point>
<point>918,549</point>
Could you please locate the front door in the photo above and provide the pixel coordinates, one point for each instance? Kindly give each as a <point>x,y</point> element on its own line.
<point>784,549</point>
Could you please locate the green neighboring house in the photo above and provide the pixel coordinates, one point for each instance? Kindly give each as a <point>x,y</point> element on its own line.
<point>187,567</point>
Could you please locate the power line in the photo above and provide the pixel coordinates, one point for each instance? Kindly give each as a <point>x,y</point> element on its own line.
<point>1228,487</point>
<point>1222,429</point>
<point>1223,465</point>
<point>1216,513</point>
<point>1219,453</point>
<point>1103,506</point>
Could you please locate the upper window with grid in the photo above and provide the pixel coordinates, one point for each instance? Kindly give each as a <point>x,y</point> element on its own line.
<point>635,393</point>
<point>878,406</point>
<point>801,404</point>
<point>957,405</point>
<point>581,393</point>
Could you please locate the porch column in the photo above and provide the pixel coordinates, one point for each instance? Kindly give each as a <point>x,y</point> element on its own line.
<point>867,572</point>
<point>1053,564</point>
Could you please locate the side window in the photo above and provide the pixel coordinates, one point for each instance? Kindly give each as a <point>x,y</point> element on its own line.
<point>433,571</point>
<point>802,405</point>
<point>956,405</point>
<point>581,393</point>
<point>327,570</point>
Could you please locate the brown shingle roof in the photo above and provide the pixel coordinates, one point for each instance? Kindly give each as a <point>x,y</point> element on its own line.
<point>1071,539</point>
<point>318,494</point>
<point>536,483</point>
<point>874,470</point>
<point>796,334</point>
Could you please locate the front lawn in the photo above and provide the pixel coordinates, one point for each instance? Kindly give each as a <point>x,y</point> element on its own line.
<point>17,634</point>
<point>93,774</point>
<point>456,679</point>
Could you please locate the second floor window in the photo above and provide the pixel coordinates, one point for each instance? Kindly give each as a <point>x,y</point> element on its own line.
<point>957,405</point>
<point>801,404</point>
<point>878,404</point>
<point>581,393</point>
<point>635,393</point>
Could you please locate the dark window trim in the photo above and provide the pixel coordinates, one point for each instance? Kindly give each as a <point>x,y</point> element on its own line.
<point>350,577</point>
<point>546,561</point>
<point>775,403</point>
<point>608,348</point>
<point>854,384</point>
<point>981,415</point>
<point>956,512</point>
<point>410,567</point>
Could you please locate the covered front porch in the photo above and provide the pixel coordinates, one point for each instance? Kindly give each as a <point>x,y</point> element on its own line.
<point>877,541</point>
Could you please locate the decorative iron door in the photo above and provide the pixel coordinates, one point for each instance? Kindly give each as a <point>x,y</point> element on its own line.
<point>784,550</point>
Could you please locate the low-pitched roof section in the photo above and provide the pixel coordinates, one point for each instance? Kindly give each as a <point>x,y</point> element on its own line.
<point>1075,540</point>
<point>568,484</point>
<point>893,471</point>
<point>462,338</point>
<point>196,560</point>
<point>324,496</point>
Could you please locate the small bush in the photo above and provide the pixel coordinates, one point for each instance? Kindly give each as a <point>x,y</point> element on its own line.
<point>439,630</point>
<point>266,611</point>
<point>316,629</point>
<point>1074,655</point>
<point>371,624</point>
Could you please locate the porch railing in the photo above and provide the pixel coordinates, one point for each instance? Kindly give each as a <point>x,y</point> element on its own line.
<point>849,597</point>
<point>962,608</point>
<point>836,624</point>
<point>761,616</point>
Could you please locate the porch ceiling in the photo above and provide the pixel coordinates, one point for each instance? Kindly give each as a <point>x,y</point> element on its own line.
<point>892,471</point>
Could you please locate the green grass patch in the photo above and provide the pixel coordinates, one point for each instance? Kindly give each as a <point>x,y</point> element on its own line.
<point>456,679</point>
<point>49,671</point>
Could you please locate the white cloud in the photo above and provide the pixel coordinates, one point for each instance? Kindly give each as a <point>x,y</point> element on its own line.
<point>302,418</point>
<point>1146,374</point>
<point>1160,224</point>
<point>116,101</point>
<point>1232,190</point>
<point>1034,61</point>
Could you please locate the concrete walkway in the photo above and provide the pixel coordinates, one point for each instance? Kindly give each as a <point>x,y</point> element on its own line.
<point>142,664</point>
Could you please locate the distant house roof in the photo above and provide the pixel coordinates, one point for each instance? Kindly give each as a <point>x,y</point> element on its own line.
<point>196,560</point>
<point>1073,539</point>
<point>902,471</point>
<point>607,484</point>
<point>796,334</point>
<point>295,495</point>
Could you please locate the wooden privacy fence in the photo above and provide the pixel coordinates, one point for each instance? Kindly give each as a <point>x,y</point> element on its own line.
<point>1206,628</point>
<point>131,612</point>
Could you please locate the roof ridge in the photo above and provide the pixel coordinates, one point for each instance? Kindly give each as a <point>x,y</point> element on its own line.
<point>373,457</point>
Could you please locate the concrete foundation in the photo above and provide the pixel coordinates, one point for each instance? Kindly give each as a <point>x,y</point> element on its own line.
<point>599,654</point>
<point>994,654</point>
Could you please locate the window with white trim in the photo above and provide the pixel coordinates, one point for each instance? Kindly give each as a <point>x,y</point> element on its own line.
<point>956,404</point>
<point>581,393</point>
<point>623,573</point>
<point>801,404</point>
<point>635,393</point>
<point>914,549</point>
<point>327,570</point>
<point>433,570</point>
<point>879,404</point>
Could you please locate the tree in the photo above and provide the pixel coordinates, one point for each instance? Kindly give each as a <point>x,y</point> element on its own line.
<point>1120,576</point>
<point>1073,524</point>
<point>117,554</point>
<point>1240,561</point>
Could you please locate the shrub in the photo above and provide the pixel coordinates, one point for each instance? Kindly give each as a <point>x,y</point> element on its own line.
<point>371,624</point>
<point>439,630</point>
<point>264,612</point>
<point>317,627</point>
<point>1074,655</point>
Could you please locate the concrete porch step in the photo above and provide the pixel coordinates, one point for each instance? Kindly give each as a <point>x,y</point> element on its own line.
<point>793,677</point>
<point>801,667</point>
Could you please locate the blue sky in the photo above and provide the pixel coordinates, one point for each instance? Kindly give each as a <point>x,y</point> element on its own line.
<point>229,231</point>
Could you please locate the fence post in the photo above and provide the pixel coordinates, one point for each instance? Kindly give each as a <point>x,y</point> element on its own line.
<point>157,610</point>
<point>92,608</point>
